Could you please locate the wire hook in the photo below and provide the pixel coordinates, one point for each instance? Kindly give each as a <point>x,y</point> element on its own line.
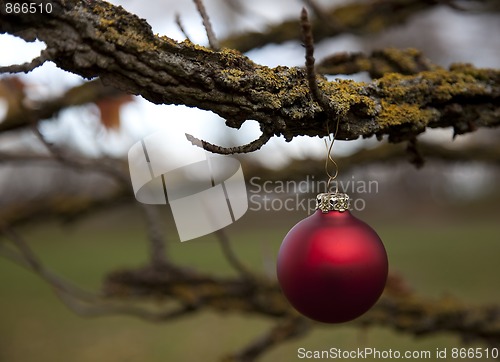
<point>329,158</point>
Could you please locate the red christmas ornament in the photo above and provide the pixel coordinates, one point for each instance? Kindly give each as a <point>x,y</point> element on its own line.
<point>332,267</point>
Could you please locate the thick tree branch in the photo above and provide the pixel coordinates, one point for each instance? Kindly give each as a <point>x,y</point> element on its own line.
<point>98,39</point>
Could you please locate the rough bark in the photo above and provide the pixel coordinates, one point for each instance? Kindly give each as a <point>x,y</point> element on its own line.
<point>96,39</point>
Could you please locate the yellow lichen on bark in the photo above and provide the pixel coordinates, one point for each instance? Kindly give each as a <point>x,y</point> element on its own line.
<point>398,114</point>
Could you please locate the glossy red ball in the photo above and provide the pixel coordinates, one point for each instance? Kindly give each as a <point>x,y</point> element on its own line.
<point>332,267</point>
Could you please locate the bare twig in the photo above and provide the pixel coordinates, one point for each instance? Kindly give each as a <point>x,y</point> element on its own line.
<point>78,300</point>
<point>28,66</point>
<point>99,165</point>
<point>231,256</point>
<point>156,237</point>
<point>27,258</point>
<point>212,39</point>
<point>317,95</point>
<point>309,46</point>
<point>180,26</point>
<point>250,147</point>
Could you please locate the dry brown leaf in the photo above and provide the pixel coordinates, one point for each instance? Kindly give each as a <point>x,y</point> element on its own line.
<point>12,91</point>
<point>109,109</point>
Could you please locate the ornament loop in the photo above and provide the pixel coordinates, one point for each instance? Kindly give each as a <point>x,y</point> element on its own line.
<point>337,201</point>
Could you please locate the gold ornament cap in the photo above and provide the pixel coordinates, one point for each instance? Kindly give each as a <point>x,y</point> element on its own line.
<point>337,201</point>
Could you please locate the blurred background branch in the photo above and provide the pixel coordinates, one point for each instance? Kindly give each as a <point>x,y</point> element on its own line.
<point>23,114</point>
<point>360,18</point>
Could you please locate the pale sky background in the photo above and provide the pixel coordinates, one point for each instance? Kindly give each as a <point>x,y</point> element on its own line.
<point>449,36</point>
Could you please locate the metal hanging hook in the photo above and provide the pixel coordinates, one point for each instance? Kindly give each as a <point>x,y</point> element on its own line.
<point>329,158</point>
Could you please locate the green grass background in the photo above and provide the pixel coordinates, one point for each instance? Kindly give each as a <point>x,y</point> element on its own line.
<point>457,254</point>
